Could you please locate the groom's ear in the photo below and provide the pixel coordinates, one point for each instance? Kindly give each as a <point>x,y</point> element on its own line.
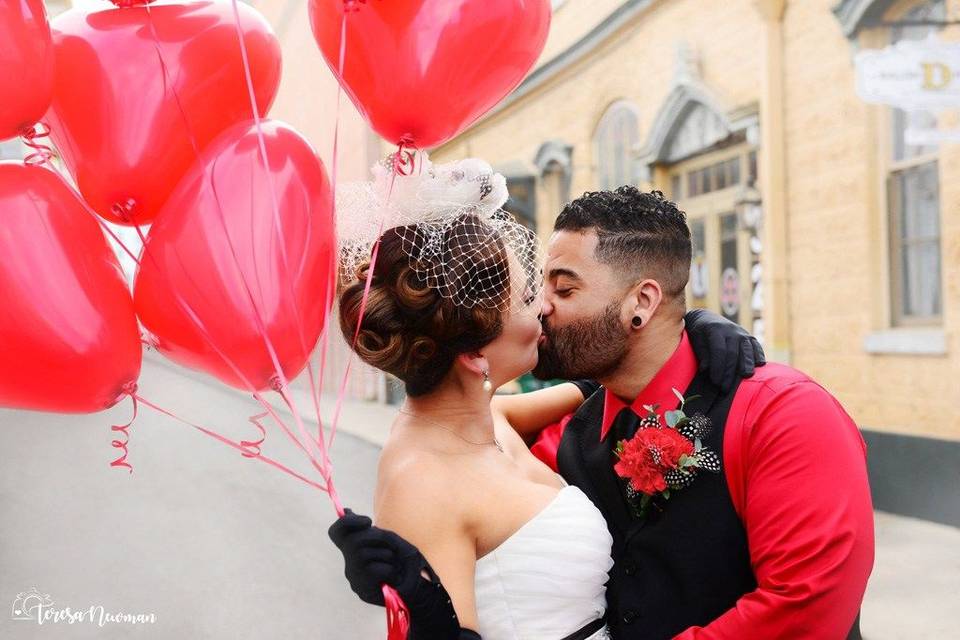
<point>642,302</point>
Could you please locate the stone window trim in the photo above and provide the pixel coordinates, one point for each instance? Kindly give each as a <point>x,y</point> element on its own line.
<point>907,342</point>
<point>856,15</point>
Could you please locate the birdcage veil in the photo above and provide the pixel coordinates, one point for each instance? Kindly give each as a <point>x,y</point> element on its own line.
<point>451,224</point>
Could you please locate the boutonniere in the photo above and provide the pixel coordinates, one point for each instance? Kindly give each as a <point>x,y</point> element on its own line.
<point>664,455</point>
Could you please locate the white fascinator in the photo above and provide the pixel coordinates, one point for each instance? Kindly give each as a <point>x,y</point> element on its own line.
<point>452,225</point>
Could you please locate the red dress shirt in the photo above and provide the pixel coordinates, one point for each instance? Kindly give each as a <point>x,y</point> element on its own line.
<point>795,465</point>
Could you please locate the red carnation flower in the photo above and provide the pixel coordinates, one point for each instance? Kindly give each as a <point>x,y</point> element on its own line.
<point>649,455</point>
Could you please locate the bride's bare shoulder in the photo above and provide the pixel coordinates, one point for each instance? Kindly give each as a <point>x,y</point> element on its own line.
<point>415,478</point>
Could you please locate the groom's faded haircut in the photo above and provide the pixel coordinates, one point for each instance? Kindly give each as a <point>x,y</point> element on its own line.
<point>641,235</point>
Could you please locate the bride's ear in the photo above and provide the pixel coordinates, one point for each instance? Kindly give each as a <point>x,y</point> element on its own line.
<point>475,362</point>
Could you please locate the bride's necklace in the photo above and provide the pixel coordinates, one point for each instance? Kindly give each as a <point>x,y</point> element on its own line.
<point>494,442</point>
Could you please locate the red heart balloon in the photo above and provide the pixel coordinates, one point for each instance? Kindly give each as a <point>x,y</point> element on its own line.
<point>69,340</point>
<point>115,121</point>
<point>26,65</point>
<point>214,255</point>
<point>421,71</point>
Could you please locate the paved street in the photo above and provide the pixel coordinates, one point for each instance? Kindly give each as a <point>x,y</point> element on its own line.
<point>220,547</point>
<point>217,546</point>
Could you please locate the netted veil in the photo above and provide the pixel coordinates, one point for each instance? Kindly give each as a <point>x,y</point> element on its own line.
<point>451,223</point>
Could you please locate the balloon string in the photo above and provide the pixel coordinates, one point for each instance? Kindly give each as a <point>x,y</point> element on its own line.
<point>334,272</point>
<point>32,136</point>
<point>129,389</point>
<point>236,445</point>
<point>398,615</point>
<point>278,227</point>
<point>201,327</point>
<point>256,311</point>
<point>397,165</point>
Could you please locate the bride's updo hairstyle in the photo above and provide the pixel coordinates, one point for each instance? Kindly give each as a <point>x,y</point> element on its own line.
<point>409,328</point>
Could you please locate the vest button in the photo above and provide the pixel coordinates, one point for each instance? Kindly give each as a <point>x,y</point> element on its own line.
<point>630,616</point>
<point>630,569</point>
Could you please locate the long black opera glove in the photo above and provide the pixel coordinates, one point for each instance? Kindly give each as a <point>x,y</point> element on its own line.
<point>723,348</point>
<point>375,556</point>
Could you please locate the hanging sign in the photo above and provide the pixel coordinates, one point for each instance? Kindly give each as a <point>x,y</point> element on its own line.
<point>911,74</point>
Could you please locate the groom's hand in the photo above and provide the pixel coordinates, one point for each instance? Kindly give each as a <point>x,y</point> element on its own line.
<point>723,348</point>
<point>374,557</point>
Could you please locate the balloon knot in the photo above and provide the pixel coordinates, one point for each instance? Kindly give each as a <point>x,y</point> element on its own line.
<point>130,388</point>
<point>275,384</point>
<point>124,210</point>
<point>405,159</point>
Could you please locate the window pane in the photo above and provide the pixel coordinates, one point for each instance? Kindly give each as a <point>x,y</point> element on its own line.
<point>752,168</point>
<point>729,276</point>
<point>693,184</point>
<point>699,275</point>
<point>675,185</point>
<point>921,280</point>
<point>916,242</point>
<point>733,166</point>
<point>920,208</point>
<point>720,176</point>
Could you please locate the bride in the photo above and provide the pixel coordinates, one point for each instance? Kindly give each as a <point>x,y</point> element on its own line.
<point>478,536</point>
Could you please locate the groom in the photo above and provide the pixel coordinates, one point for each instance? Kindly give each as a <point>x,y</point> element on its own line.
<point>773,536</point>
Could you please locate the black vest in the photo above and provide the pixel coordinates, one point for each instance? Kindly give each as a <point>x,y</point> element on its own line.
<point>682,566</point>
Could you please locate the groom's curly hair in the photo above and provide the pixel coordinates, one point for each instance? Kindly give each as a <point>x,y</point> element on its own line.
<point>641,234</point>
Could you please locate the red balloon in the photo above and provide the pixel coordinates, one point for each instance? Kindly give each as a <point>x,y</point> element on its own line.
<point>213,260</point>
<point>26,65</point>
<point>421,71</point>
<point>114,119</point>
<point>69,340</point>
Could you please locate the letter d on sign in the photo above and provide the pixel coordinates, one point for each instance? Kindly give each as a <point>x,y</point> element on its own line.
<point>936,76</point>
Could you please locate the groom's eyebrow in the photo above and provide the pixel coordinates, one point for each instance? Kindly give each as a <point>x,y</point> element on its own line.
<point>561,272</point>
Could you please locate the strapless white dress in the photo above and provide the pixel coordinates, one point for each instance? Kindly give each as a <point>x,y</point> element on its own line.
<point>546,581</point>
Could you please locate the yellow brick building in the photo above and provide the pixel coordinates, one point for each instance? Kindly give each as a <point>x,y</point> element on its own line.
<point>815,224</point>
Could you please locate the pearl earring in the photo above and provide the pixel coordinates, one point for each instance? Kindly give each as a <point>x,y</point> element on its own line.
<point>487,385</point>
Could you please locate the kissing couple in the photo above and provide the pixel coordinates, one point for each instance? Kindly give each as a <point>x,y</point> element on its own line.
<point>679,487</point>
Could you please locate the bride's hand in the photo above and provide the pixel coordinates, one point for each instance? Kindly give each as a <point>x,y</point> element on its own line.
<point>374,557</point>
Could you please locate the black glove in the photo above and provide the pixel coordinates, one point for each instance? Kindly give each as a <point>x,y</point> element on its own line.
<point>723,348</point>
<point>374,557</point>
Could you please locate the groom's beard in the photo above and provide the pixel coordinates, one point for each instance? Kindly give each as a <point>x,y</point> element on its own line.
<point>587,349</point>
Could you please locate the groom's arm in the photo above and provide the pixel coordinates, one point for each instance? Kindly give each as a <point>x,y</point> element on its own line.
<point>795,465</point>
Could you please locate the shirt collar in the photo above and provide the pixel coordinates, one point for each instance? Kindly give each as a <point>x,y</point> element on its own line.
<point>677,373</point>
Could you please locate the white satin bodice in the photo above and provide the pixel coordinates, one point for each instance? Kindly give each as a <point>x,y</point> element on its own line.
<point>546,581</point>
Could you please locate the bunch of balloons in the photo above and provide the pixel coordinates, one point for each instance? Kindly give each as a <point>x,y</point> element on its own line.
<point>157,110</point>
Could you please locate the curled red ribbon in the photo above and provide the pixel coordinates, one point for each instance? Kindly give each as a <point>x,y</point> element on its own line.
<point>31,136</point>
<point>129,389</point>
<point>405,159</point>
<point>252,447</point>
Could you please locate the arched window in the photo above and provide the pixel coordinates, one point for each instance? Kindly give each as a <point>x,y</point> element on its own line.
<point>615,140</point>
